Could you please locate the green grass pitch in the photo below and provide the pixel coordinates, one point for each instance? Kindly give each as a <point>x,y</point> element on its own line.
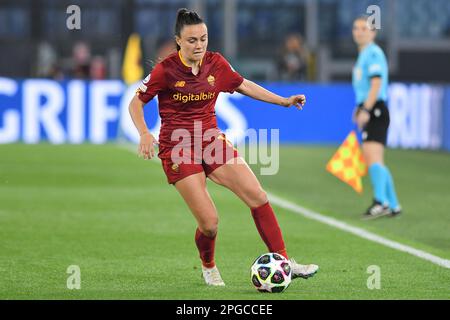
<point>113,214</point>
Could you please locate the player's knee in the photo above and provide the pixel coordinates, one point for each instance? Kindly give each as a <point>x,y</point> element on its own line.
<point>210,231</point>
<point>258,197</point>
<point>209,227</point>
<point>262,197</point>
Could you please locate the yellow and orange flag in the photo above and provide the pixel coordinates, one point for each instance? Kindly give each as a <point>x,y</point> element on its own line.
<point>132,70</point>
<point>348,163</point>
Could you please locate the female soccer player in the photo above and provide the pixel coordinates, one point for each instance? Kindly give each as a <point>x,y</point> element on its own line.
<point>191,147</point>
<point>370,82</point>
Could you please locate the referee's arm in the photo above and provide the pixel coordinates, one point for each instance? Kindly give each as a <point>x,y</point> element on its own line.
<point>375,85</point>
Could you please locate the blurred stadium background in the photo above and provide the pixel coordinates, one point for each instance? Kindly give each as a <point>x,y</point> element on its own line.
<point>277,42</point>
<point>89,202</point>
<point>415,34</point>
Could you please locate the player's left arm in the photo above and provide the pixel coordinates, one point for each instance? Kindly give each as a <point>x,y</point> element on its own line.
<point>251,89</point>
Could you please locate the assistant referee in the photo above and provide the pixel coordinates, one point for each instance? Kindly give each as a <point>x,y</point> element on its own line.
<point>370,82</point>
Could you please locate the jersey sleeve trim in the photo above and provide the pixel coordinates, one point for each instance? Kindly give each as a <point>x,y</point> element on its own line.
<point>153,84</point>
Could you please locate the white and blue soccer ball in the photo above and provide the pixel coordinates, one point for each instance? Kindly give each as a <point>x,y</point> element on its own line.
<point>271,272</point>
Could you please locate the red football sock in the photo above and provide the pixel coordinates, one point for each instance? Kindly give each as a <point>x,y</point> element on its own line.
<point>205,247</point>
<point>268,228</point>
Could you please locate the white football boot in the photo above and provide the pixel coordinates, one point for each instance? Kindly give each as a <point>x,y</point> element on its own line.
<point>212,276</point>
<point>304,271</point>
<point>376,210</point>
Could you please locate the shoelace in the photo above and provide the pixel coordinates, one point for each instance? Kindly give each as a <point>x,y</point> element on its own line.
<point>214,275</point>
<point>295,266</point>
<point>377,209</point>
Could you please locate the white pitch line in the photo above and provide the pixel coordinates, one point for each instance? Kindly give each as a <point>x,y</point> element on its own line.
<point>283,203</point>
<point>357,231</point>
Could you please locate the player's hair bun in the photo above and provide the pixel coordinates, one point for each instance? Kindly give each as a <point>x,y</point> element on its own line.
<point>186,17</point>
<point>181,12</point>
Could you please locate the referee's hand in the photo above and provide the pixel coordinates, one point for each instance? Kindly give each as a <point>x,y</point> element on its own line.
<point>146,149</point>
<point>297,101</point>
<point>361,118</point>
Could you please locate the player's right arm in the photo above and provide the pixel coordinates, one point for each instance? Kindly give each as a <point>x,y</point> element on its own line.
<point>147,140</point>
<point>153,84</point>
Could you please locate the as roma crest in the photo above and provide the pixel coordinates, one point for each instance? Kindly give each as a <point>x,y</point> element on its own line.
<point>211,80</point>
<point>176,167</point>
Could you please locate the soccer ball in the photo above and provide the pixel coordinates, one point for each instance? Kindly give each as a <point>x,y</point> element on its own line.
<point>271,272</point>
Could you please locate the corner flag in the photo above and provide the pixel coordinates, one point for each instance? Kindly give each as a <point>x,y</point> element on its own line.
<point>348,164</point>
<point>132,70</point>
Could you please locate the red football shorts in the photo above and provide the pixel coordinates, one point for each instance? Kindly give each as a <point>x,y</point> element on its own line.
<point>180,163</point>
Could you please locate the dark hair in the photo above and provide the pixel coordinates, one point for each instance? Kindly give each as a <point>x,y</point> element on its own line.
<point>185,18</point>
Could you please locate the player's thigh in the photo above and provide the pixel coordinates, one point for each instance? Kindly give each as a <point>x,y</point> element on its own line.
<point>237,176</point>
<point>373,152</point>
<point>193,190</point>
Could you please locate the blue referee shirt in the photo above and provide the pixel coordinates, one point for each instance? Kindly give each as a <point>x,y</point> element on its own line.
<point>371,63</point>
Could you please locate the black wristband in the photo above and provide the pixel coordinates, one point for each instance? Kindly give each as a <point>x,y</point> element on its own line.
<point>365,109</point>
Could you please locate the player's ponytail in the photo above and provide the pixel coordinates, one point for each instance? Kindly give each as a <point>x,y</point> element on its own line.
<point>185,17</point>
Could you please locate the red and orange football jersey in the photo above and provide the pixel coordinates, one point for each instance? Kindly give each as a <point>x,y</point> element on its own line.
<point>183,97</point>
